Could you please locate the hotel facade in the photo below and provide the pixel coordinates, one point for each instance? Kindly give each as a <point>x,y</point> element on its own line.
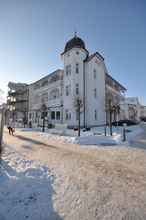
<point>84,77</point>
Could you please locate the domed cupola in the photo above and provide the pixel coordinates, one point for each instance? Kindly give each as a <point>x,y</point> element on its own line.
<point>74,42</point>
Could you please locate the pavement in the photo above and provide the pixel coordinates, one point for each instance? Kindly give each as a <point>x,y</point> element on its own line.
<point>107,183</point>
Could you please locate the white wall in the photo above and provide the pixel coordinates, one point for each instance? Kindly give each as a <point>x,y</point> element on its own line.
<point>93,103</point>
<point>71,58</point>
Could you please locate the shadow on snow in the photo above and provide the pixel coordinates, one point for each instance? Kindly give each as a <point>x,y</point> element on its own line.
<point>26,194</point>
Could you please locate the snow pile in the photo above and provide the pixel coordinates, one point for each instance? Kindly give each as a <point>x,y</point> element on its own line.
<point>29,129</point>
<point>84,139</point>
<point>26,189</point>
<point>93,137</point>
<point>96,140</point>
<point>134,134</point>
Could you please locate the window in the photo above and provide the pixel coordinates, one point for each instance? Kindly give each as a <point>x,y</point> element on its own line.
<point>77,89</point>
<point>36,86</point>
<point>95,115</point>
<point>30,115</point>
<point>77,115</point>
<point>94,72</point>
<point>67,90</point>
<point>68,70</point>
<point>52,115</point>
<point>67,114</point>
<point>77,68</point>
<point>95,93</point>
<point>57,115</point>
<point>44,83</point>
<point>36,117</point>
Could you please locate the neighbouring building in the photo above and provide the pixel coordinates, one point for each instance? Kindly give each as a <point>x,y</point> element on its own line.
<point>143,112</point>
<point>46,91</point>
<point>17,102</point>
<point>83,77</point>
<point>131,108</point>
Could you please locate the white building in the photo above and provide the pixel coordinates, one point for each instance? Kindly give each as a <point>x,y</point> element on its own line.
<point>131,108</point>
<point>85,77</point>
<point>143,112</point>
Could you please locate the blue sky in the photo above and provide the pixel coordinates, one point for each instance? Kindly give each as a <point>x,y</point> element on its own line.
<point>33,33</point>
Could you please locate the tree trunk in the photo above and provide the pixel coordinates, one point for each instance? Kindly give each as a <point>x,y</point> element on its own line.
<point>110,117</point>
<point>43,129</point>
<point>110,123</point>
<point>79,125</point>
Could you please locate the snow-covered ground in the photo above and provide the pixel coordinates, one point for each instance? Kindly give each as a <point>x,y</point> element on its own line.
<point>50,179</point>
<point>26,190</point>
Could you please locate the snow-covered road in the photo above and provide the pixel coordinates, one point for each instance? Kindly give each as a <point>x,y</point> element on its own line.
<point>44,179</point>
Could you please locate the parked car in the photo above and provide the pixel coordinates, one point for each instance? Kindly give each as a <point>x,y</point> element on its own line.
<point>143,119</point>
<point>126,121</point>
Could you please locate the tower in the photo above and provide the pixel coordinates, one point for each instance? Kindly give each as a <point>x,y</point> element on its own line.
<point>74,55</point>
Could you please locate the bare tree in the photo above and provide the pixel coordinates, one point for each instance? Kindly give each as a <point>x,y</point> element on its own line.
<point>43,116</point>
<point>78,103</point>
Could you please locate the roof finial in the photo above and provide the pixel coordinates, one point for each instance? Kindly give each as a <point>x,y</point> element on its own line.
<point>75,33</point>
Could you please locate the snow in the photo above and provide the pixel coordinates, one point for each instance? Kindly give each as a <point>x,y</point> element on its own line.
<point>67,182</point>
<point>132,136</point>
<point>26,189</point>
<point>94,137</point>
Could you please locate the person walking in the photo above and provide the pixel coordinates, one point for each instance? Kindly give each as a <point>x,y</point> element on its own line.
<point>11,128</point>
